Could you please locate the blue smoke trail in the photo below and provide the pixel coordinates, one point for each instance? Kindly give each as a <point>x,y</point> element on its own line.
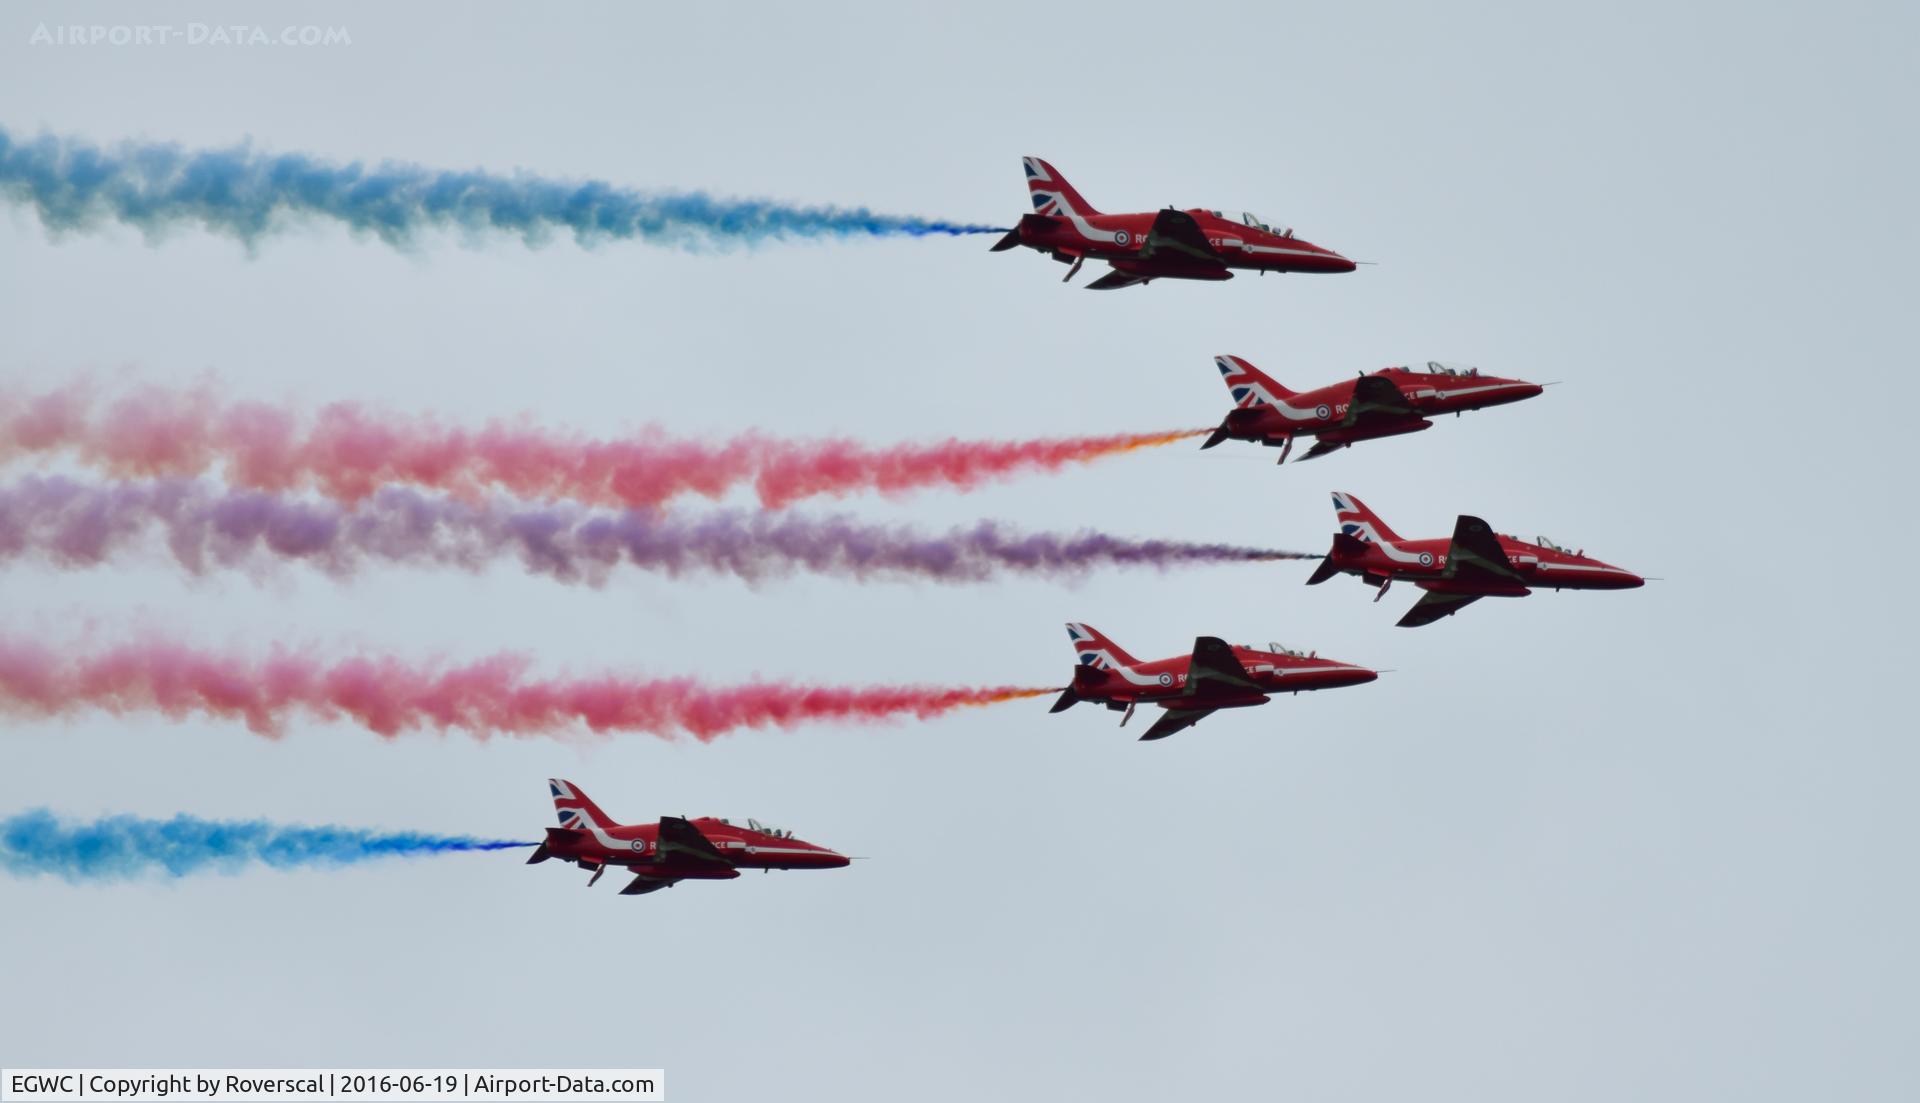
<point>121,847</point>
<point>75,185</point>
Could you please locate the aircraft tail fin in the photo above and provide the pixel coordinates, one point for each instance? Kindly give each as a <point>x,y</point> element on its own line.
<point>1357,521</point>
<point>1249,386</point>
<point>1050,192</point>
<point>576,811</point>
<point>1095,650</point>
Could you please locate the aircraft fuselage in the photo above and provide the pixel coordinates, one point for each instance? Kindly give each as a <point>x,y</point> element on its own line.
<point>1424,563</point>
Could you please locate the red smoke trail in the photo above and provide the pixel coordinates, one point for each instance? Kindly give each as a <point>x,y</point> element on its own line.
<point>490,696</point>
<point>347,452</point>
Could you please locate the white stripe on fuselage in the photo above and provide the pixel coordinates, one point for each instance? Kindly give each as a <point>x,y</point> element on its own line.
<point>1278,251</point>
<point>1126,672</point>
<point>1444,393</point>
<point>1312,413</point>
<point>626,845</point>
<point>1080,224</point>
<point>1545,566</point>
<point>1301,413</point>
<point>601,837</point>
<point>1387,547</point>
<point>1258,395</point>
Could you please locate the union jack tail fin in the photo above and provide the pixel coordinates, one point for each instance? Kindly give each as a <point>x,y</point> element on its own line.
<point>1094,650</point>
<point>1359,522</point>
<point>1050,192</point>
<point>1249,385</point>
<point>576,811</point>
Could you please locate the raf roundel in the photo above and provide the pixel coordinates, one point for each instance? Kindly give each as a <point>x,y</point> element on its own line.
<point>640,845</point>
<point>1426,559</point>
<point>1166,679</point>
<point>1122,237</point>
<point>1323,411</point>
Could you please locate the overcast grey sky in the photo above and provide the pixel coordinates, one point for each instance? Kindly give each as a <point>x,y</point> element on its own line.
<point>1646,845</point>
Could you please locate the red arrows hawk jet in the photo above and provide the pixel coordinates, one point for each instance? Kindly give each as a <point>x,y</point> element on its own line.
<point>675,849</point>
<point>1476,563</point>
<point>1387,403</point>
<point>1194,244</point>
<point>1218,675</point>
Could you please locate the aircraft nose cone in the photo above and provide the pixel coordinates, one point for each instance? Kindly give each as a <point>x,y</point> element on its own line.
<point>1341,264</point>
<point>1337,677</point>
<point>1529,390</point>
<point>833,860</point>
<point>1617,578</point>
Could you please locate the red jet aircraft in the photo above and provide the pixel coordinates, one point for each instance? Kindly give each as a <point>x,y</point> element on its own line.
<point>675,849</point>
<point>1476,563</point>
<point>1194,244</point>
<point>1218,675</point>
<point>1387,403</point>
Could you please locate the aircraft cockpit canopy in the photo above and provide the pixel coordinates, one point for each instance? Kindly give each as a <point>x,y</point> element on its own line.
<point>1546,543</point>
<point>1248,218</point>
<point>768,829</point>
<point>1280,649</point>
<point>1436,367</point>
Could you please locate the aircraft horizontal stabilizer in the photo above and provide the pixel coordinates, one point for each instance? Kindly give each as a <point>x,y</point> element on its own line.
<point>1034,225</point>
<point>1327,569</point>
<point>1067,699</point>
<point>644,884</point>
<point>540,854</point>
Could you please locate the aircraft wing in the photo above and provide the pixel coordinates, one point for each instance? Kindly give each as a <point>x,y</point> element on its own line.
<point>1115,279</point>
<point>1376,399</point>
<point>680,839</point>
<point>1173,720</point>
<point>1432,607</point>
<point>1213,671</point>
<point>643,884</point>
<point>1475,554</point>
<point>1321,448</point>
<point>1176,232</point>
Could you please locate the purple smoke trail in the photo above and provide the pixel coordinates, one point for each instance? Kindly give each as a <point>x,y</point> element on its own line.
<point>77,524</point>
